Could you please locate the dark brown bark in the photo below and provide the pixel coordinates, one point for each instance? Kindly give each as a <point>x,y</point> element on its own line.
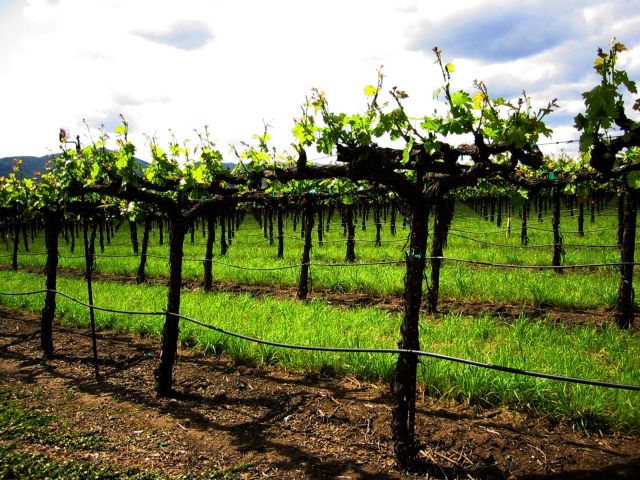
<point>270,217</point>
<point>350,255</point>
<point>524,238</point>
<point>581,219</point>
<point>72,231</point>
<point>141,276</point>
<point>329,216</point>
<point>265,221</point>
<point>376,219</point>
<point>442,220</point>
<point>101,234</point>
<point>621,209</point>
<point>52,228</point>
<point>89,255</point>
<point>625,306</point>
<point>223,233</point>
<point>392,217</point>
<point>16,244</point>
<point>558,250</point>
<point>133,232</point>
<point>364,217</point>
<point>320,228</point>
<point>403,385</point>
<point>164,372</point>
<point>230,227</point>
<point>492,209</point>
<point>307,227</point>
<point>25,237</point>
<point>280,232</point>
<point>208,255</point>
<point>107,225</point>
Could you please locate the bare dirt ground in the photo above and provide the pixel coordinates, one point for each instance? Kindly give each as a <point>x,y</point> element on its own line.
<point>283,424</point>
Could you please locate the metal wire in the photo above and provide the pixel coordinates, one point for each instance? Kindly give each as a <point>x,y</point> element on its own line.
<point>394,351</point>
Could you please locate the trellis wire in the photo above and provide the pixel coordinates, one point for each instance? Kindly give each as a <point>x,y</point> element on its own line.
<point>394,351</point>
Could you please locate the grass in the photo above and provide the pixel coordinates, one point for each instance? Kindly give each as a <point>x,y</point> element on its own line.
<point>22,424</point>
<point>27,423</point>
<point>592,288</point>
<point>29,466</point>
<point>605,353</point>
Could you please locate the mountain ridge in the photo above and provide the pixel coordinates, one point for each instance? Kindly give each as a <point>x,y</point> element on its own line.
<point>32,164</point>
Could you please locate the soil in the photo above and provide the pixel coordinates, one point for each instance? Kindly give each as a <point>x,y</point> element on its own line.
<point>283,424</point>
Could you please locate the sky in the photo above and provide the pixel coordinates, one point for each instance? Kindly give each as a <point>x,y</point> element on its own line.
<point>173,67</point>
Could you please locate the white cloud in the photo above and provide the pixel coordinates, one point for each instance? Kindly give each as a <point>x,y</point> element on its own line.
<point>233,65</point>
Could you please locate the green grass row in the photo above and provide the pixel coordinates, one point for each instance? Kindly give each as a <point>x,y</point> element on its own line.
<point>590,288</point>
<point>606,354</point>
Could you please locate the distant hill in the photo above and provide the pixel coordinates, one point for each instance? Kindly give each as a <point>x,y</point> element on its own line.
<point>30,165</point>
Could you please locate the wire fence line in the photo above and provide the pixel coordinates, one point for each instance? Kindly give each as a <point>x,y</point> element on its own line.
<point>365,264</point>
<point>393,351</point>
<point>545,245</point>
<point>516,229</point>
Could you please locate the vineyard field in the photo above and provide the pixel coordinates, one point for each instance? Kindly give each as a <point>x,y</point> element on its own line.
<point>591,288</point>
<point>576,338</point>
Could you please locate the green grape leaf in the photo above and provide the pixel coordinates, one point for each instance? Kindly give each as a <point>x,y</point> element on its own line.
<point>633,179</point>
<point>370,90</point>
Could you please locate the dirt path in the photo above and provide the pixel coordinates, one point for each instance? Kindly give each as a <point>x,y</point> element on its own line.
<point>285,425</point>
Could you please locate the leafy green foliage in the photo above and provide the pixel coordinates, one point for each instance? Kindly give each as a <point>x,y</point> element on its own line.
<point>605,103</point>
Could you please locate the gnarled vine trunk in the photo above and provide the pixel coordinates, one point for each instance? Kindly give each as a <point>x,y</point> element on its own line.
<point>307,227</point>
<point>164,372</point>
<point>52,226</point>
<point>208,255</point>
<point>403,385</point>
<point>350,255</point>
<point>141,276</point>
<point>624,310</point>
<point>443,214</point>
